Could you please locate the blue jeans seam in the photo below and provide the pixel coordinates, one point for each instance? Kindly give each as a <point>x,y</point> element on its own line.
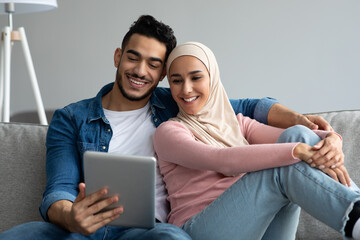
<point>106,232</point>
<point>317,182</point>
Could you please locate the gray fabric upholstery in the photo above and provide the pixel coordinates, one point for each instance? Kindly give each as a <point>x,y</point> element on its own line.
<point>22,171</point>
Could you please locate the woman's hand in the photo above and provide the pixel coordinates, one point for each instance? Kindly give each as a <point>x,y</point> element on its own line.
<point>306,153</point>
<point>340,174</point>
<point>329,153</point>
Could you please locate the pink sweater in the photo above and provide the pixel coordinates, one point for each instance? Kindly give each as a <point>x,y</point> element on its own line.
<point>195,173</point>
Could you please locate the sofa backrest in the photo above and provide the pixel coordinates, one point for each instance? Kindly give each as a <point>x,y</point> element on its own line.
<point>22,172</point>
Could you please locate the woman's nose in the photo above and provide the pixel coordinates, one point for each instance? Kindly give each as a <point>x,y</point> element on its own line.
<point>187,87</point>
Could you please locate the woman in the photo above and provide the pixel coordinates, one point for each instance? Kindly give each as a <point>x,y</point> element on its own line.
<point>228,179</point>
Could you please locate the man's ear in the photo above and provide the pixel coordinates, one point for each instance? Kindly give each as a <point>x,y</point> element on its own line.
<point>163,74</point>
<point>117,57</point>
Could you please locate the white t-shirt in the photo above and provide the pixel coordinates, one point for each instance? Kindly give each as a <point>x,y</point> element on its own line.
<point>133,135</point>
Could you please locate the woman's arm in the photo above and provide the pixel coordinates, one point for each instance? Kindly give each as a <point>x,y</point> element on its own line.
<point>174,143</point>
<point>327,154</point>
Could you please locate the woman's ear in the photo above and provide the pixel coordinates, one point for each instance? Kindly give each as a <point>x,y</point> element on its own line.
<point>117,57</point>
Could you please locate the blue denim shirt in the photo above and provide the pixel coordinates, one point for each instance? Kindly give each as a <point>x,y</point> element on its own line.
<point>82,126</point>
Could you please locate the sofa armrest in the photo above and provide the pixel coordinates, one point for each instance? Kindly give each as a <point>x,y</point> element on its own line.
<point>22,172</point>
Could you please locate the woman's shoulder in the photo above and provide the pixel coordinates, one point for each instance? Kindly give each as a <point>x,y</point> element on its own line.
<point>170,125</point>
<point>244,119</point>
<point>170,129</point>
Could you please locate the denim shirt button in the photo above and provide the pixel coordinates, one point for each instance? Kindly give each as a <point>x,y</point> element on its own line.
<point>109,130</point>
<point>103,147</point>
<point>155,119</point>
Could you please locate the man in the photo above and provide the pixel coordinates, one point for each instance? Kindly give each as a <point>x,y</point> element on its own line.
<point>121,118</point>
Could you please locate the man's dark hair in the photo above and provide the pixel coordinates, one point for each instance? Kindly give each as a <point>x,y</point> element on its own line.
<point>148,26</point>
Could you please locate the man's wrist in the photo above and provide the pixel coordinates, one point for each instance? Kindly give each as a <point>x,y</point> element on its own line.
<point>299,118</point>
<point>59,213</point>
<point>283,117</point>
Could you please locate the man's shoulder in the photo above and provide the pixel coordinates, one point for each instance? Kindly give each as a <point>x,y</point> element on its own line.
<point>89,103</point>
<point>74,112</point>
<point>162,92</point>
<point>79,106</point>
<point>163,95</point>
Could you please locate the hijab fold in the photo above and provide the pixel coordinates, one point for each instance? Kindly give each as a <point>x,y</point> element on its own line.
<point>216,123</point>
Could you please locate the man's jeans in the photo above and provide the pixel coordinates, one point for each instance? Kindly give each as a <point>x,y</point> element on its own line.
<point>48,231</point>
<point>264,204</point>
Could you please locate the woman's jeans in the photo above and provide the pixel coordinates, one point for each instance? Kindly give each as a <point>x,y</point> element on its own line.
<point>265,204</point>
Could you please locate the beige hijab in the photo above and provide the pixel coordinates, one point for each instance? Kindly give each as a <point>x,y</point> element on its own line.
<point>215,123</point>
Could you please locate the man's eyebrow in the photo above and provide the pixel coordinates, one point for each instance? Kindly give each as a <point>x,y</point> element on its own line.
<point>136,53</point>
<point>156,59</point>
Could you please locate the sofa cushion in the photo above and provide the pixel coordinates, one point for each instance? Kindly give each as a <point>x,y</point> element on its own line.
<point>22,172</point>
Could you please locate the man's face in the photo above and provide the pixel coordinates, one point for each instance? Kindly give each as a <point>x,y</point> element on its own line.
<point>140,68</point>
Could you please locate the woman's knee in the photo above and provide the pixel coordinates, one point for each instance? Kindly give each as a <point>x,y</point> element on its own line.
<point>299,133</point>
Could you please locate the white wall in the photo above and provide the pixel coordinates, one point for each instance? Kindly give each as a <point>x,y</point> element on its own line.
<point>305,53</point>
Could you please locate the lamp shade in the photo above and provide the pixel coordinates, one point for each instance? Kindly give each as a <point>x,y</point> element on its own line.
<point>28,6</point>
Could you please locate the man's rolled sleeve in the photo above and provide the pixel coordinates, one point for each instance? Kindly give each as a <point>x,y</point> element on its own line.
<point>262,109</point>
<point>51,198</point>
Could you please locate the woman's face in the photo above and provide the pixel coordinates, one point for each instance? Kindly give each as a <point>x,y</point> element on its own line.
<point>189,83</point>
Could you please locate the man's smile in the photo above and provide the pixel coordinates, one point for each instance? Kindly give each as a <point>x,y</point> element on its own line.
<point>136,82</point>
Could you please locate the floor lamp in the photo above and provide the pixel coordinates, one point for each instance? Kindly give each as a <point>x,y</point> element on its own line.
<point>8,37</point>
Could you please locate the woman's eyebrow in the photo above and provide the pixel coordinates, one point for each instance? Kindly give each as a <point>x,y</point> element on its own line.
<point>175,75</point>
<point>196,71</point>
<point>190,73</point>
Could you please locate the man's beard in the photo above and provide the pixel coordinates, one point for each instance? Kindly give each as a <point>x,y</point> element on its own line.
<point>126,95</point>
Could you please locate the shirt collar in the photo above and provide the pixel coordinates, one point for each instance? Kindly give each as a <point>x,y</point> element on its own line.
<point>96,110</point>
<point>155,100</point>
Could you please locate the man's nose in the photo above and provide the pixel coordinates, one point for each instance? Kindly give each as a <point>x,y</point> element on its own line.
<point>140,69</point>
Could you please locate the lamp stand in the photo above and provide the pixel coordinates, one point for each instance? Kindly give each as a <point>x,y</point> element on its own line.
<point>7,38</point>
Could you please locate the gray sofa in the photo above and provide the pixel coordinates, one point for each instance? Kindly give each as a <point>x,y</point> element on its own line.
<point>22,171</point>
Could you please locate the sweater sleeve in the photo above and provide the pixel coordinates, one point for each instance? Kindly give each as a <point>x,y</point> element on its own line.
<point>174,143</point>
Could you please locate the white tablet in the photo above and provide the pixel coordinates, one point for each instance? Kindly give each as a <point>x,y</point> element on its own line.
<point>132,178</point>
